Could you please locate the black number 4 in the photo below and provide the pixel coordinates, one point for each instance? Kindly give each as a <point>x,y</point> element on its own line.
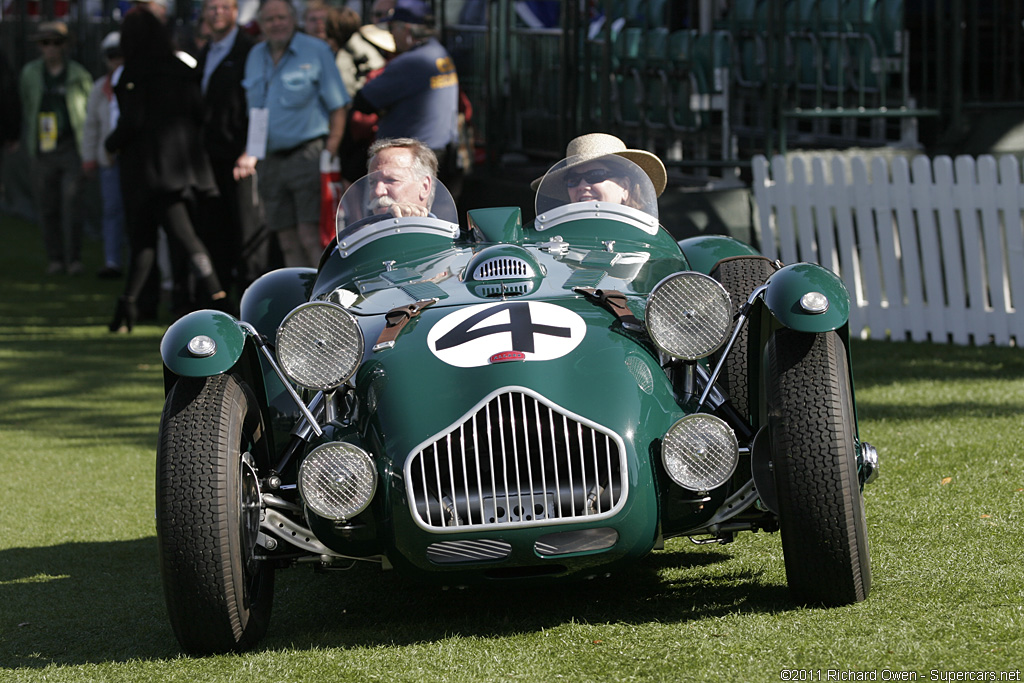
<point>520,324</point>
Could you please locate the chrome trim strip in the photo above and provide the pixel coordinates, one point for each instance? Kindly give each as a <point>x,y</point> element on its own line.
<point>423,225</point>
<point>576,211</point>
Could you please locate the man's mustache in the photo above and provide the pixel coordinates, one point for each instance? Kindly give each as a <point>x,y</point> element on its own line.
<point>382,202</point>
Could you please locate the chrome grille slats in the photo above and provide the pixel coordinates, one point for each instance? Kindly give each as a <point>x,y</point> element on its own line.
<point>568,460</point>
<point>516,459</point>
<point>503,267</point>
<point>454,552</point>
<point>504,289</point>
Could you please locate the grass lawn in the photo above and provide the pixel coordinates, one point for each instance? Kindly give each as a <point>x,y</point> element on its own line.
<point>81,598</point>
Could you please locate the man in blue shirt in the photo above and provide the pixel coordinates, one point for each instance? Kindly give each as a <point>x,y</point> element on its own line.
<point>297,108</point>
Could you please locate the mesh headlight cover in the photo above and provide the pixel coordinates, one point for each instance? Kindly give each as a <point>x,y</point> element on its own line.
<point>337,480</point>
<point>319,345</point>
<point>700,452</point>
<point>689,315</point>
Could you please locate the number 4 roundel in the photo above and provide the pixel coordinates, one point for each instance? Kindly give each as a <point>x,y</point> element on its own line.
<point>471,336</point>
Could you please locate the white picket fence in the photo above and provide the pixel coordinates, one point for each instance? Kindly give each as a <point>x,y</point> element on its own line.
<point>930,249</point>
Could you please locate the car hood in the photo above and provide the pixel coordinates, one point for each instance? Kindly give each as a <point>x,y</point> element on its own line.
<point>453,276</point>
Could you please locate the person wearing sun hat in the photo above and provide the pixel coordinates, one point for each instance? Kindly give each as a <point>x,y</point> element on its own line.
<point>599,167</point>
<point>54,93</point>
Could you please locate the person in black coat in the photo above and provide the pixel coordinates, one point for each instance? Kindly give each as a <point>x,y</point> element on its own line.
<point>163,163</point>
<point>230,225</point>
<point>10,112</point>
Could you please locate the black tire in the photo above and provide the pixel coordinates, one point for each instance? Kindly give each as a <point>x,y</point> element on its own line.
<point>740,276</point>
<point>218,595</point>
<point>814,459</point>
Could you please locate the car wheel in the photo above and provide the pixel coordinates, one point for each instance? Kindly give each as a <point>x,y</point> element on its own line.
<point>218,593</point>
<point>740,276</point>
<point>814,460</point>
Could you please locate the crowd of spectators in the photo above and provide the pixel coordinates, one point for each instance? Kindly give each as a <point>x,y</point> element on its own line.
<point>208,143</point>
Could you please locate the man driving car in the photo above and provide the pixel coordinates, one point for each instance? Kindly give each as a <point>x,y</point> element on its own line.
<point>402,172</point>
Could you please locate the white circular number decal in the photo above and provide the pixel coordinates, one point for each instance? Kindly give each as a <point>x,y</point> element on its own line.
<point>507,331</point>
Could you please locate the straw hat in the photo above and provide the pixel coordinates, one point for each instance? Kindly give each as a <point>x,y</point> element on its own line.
<point>379,37</point>
<point>596,145</point>
<point>51,30</point>
<point>111,41</point>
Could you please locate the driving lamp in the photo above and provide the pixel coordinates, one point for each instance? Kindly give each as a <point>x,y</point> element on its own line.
<point>337,480</point>
<point>319,345</point>
<point>689,315</point>
<point>700,452</point>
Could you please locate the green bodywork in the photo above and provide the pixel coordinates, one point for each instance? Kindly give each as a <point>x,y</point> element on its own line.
<point>705,251</point>
<point>408,396</point>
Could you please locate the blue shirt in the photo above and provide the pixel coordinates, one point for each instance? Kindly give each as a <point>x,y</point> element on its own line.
<point>299,92</point>
<point>418,96</point>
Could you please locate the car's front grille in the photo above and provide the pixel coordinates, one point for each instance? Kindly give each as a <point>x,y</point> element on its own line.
<point>516,460</point>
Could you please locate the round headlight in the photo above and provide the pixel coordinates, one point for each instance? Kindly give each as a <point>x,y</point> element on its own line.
<point>689,315</point>
<point>319,345</point>
<point>337,480</point>
<point>700,452</point>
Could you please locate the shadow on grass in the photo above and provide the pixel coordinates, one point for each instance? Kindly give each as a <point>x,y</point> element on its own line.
<point>82,603</point>
<point>370,610</point>
<point>366,608</point>
<point>105,386</point>
<point>961,410</point>
<point>885,363</point>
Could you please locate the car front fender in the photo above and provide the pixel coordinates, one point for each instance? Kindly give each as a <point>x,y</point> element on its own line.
<point>705,251</point>
<point>273,295</point>
<point>787,286</point>
<point>223,330</point>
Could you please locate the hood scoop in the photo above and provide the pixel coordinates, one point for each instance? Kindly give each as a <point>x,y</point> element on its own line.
<point>502,270</point>
<point>502,262</point>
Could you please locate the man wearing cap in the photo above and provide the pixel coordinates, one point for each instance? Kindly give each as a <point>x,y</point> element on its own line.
<point>380,11</point>
<point>417,94</point>
<point>231,228</point>
<point>297,107</point>
<point>54,93</point>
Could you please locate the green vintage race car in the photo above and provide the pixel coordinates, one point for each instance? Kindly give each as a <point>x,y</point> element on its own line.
<point>500,401</point>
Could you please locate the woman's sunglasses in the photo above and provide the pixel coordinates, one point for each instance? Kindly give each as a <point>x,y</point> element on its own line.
<point>598,175</point>
<point>51,43</point>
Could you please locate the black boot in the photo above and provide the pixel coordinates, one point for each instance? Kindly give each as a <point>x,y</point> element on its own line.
<point>125,315</point>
